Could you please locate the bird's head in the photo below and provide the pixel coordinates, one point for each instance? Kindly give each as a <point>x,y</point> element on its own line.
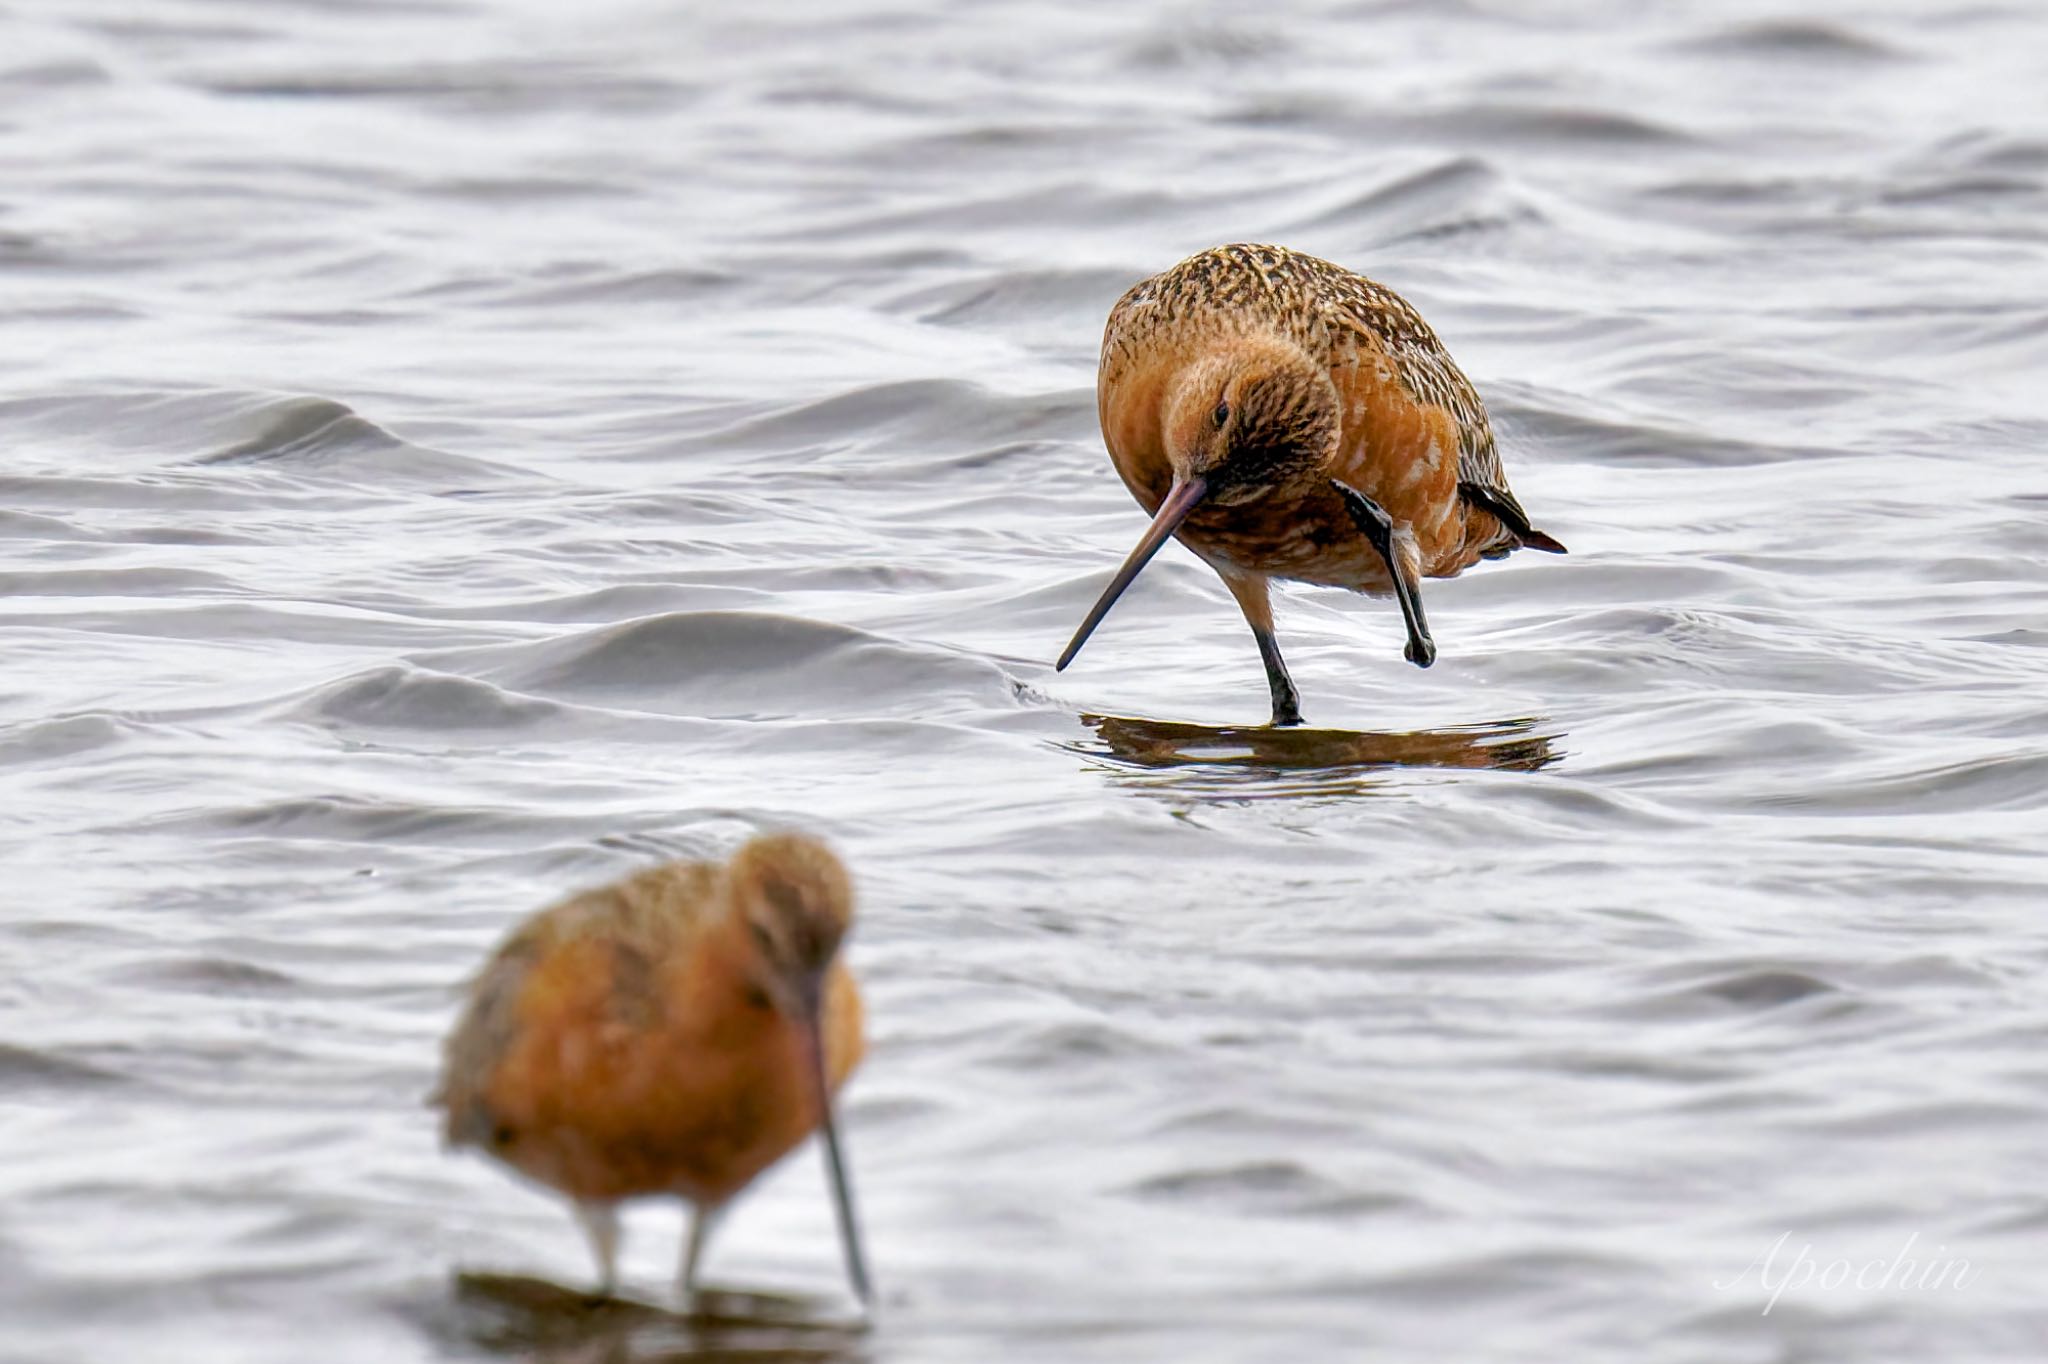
<point>1247,419</point>
<point>796,903</point>
<point>1240,422</point>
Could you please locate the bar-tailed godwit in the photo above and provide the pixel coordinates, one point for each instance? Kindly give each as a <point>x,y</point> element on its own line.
<point>1284,417</point>
<point>673,1034</point>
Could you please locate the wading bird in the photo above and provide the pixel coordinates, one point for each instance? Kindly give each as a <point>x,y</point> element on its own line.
<point>673,1034</point>
<point>1286,418</point>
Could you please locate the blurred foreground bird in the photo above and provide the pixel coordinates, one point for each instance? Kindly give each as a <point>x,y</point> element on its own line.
<point>1286,418</point>
<point>673,1034</point>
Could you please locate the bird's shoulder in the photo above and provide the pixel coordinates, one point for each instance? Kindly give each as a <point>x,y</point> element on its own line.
<point>1332,311</point>
<point>1245,281</point>
<point>596,955</point>
<point>652,911</point>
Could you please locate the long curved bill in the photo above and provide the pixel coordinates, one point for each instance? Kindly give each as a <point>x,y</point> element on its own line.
<point>1180,500</point>
<point>835,1167</point>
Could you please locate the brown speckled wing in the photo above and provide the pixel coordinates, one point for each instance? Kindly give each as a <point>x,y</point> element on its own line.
<point>1427,371</point>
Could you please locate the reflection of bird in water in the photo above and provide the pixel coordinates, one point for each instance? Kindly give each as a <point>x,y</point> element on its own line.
<point>544,1323</point>
<point>1509,745</point>
<point>1286,418</point>
<point>673,1034</point>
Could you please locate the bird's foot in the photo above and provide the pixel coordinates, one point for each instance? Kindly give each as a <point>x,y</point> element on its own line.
<point>1286,702</point>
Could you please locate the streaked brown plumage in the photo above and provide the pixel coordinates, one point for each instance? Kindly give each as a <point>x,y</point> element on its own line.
<point>675,1033</point>
<point>1284,417</point>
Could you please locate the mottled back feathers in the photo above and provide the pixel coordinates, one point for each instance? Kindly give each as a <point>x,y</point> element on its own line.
<point>1338,317</point>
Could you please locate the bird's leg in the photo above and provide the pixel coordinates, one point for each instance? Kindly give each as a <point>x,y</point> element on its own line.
<point>600,1222</point>
<point>1378,527</point>
<point>1252,599</point>
<point>1286,700</point>
<point>702,1219</point>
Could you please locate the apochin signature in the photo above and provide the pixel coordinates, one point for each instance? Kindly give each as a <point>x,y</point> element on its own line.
<point>1899,1273</point>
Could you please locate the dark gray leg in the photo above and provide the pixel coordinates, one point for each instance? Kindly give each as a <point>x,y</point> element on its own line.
<point>1378,527</point>
<point>1253,599</point>
<point>1286,700</point>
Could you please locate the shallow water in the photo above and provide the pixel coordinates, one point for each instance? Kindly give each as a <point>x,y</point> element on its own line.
<point>455,453</point>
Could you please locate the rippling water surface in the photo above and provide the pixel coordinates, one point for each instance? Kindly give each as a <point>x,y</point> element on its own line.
<point>454,453</point>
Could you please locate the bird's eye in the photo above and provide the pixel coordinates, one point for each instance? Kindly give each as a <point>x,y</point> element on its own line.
<point>1222,414</point>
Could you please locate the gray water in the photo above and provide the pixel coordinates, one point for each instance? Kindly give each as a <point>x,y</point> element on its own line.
<point>454,453</point>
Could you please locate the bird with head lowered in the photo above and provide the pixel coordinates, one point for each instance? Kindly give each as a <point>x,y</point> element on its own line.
<point>1284,417</point>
